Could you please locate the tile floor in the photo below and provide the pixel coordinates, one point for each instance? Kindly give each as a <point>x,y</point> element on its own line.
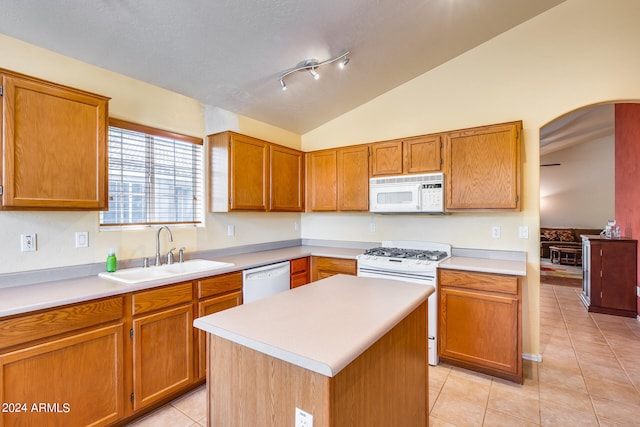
<point>590,376</point>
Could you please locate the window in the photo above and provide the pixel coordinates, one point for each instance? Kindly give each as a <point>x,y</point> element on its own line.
<point>155,177</point>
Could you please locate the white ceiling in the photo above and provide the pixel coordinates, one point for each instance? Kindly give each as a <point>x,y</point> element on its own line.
<point>230,53</point>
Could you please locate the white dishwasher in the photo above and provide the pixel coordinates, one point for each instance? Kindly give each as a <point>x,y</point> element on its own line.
<point>261,282</point>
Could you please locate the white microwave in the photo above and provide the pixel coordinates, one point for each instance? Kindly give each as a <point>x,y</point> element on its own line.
<point>407,194</point>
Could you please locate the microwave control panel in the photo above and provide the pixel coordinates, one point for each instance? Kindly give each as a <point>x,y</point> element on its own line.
<point>432,197</point>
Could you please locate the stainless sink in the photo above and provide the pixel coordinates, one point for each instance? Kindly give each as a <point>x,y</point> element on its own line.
<point>136,275</point>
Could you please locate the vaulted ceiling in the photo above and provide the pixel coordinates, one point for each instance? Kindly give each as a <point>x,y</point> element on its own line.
<point>231,53</point>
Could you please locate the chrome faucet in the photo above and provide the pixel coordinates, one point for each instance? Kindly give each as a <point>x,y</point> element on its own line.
<point>158,258</point>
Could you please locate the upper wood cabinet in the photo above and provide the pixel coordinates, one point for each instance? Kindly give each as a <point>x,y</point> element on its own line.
<point>287,179</point>
<point>54,146</point>
<point>249,174</point>
<point>482,168</point>
<point>338,179</point>
<point>420,154</point>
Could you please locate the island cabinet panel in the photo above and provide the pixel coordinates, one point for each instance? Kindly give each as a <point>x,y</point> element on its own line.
<point>482,168</point>
<point>54,146</point>
<point>384,386</point>
<point>162,343</point>
<point>480,325</point>
<point>300,272</point>
<point>323,267</point>
<point>79,378</point>
<point>287,179</point>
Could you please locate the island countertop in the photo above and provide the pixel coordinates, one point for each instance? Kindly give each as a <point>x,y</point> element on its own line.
<point>322,326</point>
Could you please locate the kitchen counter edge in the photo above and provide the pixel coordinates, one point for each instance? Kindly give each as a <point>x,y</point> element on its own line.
<point>27,298</point>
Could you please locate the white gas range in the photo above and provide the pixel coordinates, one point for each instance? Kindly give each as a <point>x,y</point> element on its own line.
<point>409,261</point>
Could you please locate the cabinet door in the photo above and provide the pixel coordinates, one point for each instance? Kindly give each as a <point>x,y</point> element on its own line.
<point>54,146</point>
<point>480,330</point>
<point>322,180</point>
<point>619,261</point>
<point>386,158</point>
<point>353,178</point>
<point>210,306</point>
<point>249,181</point>
<point>162,354</point>
<point>422,154</point>
<point>323,267</point>
<point>299,272</point>
<point>287,179</point>
<point>483,168</point>
<point>79,377</point>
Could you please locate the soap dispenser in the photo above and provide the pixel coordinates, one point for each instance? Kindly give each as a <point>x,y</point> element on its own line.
<point>111,261</point>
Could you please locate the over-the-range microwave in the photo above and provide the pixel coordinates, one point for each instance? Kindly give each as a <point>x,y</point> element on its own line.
<point>422,193</point>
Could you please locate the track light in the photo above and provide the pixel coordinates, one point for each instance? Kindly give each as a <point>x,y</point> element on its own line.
<point>311,65</point>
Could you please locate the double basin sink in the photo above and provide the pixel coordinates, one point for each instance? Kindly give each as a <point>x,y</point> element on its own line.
<point>132,276</point>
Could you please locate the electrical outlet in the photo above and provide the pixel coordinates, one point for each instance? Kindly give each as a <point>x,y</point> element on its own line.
<point>231,230</point>
<point>495,232</point>
<point>296,226</point>
<point>82,239</point>
<point>28,242</point>
<point>523,232</point>
<point>372,227</point>
<point>303,419</point>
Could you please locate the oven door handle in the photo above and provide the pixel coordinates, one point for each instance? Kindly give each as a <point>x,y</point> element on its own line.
<point>367,272</point>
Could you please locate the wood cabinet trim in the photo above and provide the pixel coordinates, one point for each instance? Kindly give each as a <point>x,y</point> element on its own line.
<point>159,298</point>
<point>52,322</point>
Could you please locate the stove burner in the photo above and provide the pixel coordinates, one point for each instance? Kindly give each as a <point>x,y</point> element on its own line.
<point>407,253</point>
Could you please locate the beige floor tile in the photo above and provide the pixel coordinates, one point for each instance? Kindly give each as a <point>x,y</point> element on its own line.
<point>616,412</point>
<point>498,419</point>
<point>470,375</point>
<point>193,404</point>
<point>464,387</point>
<point>553,415</point>
<point>594,372</point>
<point>564,396</point>
<point>458,411</point>
<point>437,376</point>
<point>433,397</point>
<point>167,416</point>
<point>620,392</point>
<point>437,422</point>
<point>530,388</point>
<point>515,404</point>
<point>562,378</point>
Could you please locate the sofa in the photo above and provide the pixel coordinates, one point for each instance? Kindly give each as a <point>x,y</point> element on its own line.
<point>562,236</point>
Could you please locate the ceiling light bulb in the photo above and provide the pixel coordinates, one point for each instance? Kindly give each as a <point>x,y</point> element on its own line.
<point>284,86</point>
<point>314,73</point>
<point>344,62</point>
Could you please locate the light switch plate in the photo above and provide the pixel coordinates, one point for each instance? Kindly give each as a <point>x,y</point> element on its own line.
<point>523,232</point>
<point>495,232</point>
<point>82,239</point>
<point>303,419</point>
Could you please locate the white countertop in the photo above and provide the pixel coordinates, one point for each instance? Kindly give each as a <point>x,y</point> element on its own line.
<point>485,265</point>
<point>22,299</point>
<point>322,326</point>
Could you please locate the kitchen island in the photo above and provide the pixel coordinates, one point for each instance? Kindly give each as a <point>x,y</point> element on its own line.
<point>349,351</point>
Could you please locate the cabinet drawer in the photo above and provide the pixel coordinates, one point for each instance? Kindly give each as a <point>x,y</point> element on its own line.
<point>299,265</point>
<point>144,302</point>
<point>479,281</point>
<point>48,323</point>
<point>219,284</point>
<point>337,265</point>
<point>299,279</point>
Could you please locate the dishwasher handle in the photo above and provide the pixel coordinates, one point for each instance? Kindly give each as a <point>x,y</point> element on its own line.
<point>267,271</point>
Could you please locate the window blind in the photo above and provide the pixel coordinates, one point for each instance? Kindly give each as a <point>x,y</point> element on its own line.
<point>155,177</point>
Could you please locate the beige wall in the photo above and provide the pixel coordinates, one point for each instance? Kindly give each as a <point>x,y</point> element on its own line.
<point>580,53</point>
<point>584,175</point>
<point>150,105</point>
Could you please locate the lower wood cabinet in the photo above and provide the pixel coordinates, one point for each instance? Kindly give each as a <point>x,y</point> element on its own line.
<point>299,272</point>
<point>162,346</point>
<point>73,378</point>
<point>480,322</point>
<point>323,267</point>
<point>215,294</point>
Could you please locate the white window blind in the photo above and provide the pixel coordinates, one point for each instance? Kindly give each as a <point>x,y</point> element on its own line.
<point>155,177</point>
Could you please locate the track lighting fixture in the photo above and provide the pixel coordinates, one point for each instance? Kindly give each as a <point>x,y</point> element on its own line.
<point>311,65</point>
